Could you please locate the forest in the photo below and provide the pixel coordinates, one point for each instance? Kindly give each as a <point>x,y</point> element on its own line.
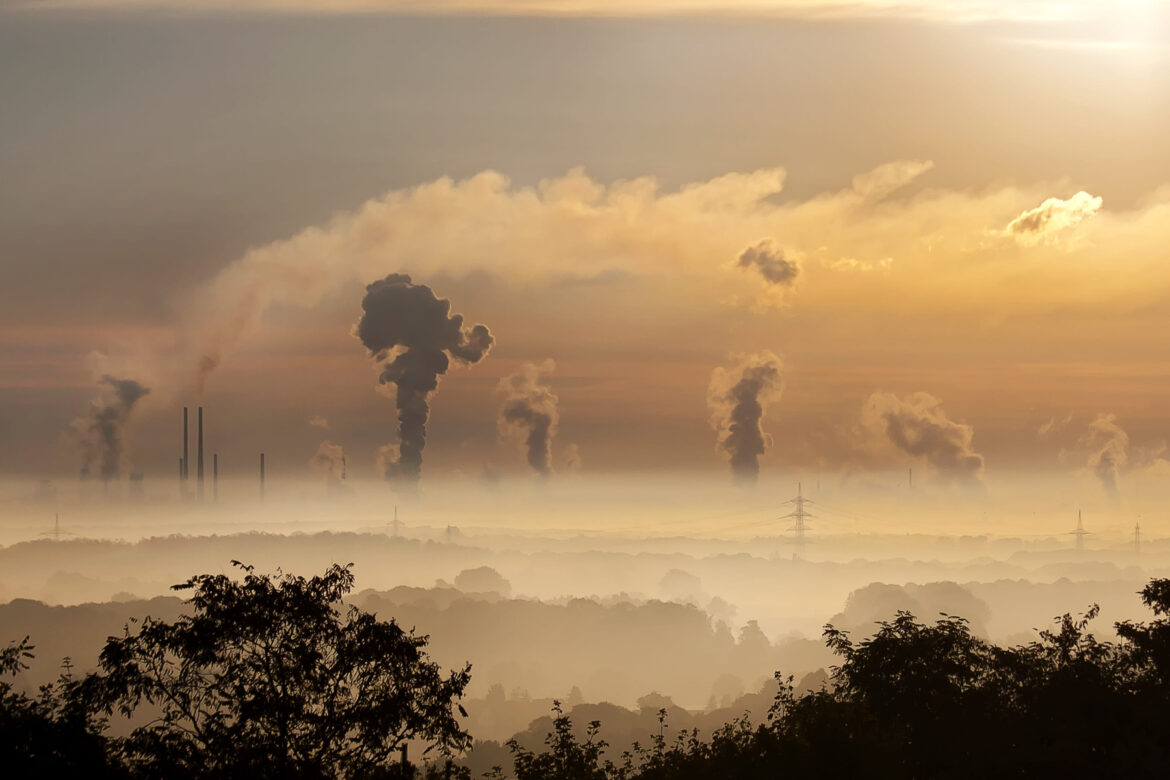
<point>282,676</point>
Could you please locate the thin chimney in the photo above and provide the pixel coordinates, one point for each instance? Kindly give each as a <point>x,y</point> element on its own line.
<point>185,448</point>
<point>261,476</point>
<point>199,455</point>
<point>215,476</point>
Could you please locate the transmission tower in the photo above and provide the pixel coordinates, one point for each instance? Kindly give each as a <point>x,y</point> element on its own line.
<point>1080,533</point>
<point>1137,538</point>
<point>56,533</point>
<point>798,515</point>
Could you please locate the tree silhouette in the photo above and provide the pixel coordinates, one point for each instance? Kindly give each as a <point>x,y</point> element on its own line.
<point>55,733</point>
<point>270,676</point>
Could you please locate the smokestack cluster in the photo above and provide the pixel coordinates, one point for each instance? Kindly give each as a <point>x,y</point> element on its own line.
<point>738,398</point>
<point>530,410</point>
<point>184,461</point>
<point>413,337</point>
<point>103,430</point>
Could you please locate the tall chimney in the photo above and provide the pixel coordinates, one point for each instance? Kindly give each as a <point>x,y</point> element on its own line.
<point>199,455</point>
<point>215,476</point>
<point>185,461</point>
<point>261,476</point>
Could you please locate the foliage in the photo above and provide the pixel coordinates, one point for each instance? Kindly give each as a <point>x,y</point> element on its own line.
<point>55,733</point>
<point>919,700</point>
<point>271,676</point>
<point>268,675</point>
<point>566,758</point>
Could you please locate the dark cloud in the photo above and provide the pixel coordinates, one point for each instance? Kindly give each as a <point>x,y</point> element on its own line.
<point>103,431</point>
<point>738,398</point>
<point>413,337</point>
<point>769,259</point>
<point>530,409</point>
<point>919,426</point>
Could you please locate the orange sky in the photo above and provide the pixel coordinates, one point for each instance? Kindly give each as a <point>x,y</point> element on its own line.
<point>976,212</point>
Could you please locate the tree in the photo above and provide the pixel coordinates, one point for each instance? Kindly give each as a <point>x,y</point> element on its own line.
<point>566,758</point>
<point>55,733</point>
<point>270,675</point>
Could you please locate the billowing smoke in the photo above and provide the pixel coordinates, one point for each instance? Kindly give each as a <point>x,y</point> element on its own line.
<point>413,337</point>
<point>103,430</point>
<point>919,426</point>
<point>1042,223</point>
<point>769,259</point>
<point>571,458</point>
<point>529,413</point>
<point>329,461</point>
<point>1110,445</point>
<point>317,421</point>
<point>738,398</point>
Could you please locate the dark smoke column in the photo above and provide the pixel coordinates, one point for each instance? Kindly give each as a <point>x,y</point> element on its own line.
<point>530,409</point>
<point>103,430</point>
<point>738,398</point>
<point>413,337</point>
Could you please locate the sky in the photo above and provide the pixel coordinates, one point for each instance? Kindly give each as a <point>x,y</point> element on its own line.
<point>929,235</point>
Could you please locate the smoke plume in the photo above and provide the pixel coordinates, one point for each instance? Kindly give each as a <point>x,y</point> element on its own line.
<point>329,461</point>
<point>738,398</point>
<point>529,412</point>
<point>413,337</point>
<point>571,458</point>
<point>103,430</point>
<point>919,426</point>
<point>769,259</point>
<point>1110,445</point>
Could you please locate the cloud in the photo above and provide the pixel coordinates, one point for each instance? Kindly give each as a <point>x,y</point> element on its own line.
<point>888,178</point>
<point>918,426</point>
<point>529,413</point>
<point>1053,425</point>
<point>772,263</point>
<point>1042,223</point>
<point>573,227</point>
<point>317,421</point>
<point>938,10</point>
<point>738,398</point>
<point>1110,452</point>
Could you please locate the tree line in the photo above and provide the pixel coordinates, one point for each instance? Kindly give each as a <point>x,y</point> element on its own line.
<point>273,676</point>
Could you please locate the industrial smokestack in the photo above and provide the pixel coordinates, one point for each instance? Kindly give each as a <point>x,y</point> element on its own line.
<point>215,477</point>
<point>261,476</point>
<point>185,449</point>
<point>199,455</point>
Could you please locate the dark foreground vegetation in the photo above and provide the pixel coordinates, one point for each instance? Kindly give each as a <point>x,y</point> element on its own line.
<point>273,677</point>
